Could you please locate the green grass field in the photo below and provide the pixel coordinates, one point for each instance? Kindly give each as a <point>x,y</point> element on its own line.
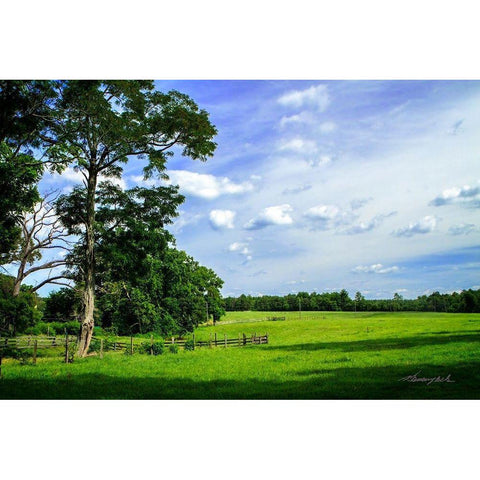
<point>323,355</point>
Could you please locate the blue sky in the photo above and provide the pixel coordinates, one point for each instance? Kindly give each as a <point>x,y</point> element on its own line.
<point>322,185</point>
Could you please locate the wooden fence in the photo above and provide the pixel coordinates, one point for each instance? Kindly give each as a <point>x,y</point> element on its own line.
<point>25,342</point>
<point>213,341</point>
<point>34,343</point>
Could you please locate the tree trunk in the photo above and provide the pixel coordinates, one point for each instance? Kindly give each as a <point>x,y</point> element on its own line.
<point>87,320</point>
<point>20,277</point>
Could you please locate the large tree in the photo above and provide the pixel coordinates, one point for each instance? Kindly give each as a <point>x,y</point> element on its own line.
<point>23,116</point>
<point>97,126</point>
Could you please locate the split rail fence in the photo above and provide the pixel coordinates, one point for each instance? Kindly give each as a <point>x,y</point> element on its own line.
<point>213,341</point>
<point>7,344</point>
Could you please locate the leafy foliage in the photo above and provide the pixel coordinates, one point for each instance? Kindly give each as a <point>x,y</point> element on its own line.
<point>155,348</point>
<point>62,305</point>
<point>17,313</point>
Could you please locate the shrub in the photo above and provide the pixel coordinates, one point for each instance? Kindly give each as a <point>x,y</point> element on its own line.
<point>22,355</point>
<point>95,345</point>
<point>189,345</point>
<point>173,348</point>
<point>156,347</point>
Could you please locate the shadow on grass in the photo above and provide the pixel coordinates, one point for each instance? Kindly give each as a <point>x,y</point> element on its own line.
<point>319,383</point>
<point>420,340</point>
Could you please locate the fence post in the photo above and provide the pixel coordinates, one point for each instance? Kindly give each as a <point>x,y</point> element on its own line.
<point>244,339</point>
<point>66,348</point>
<point>215,338</point>
<point>101,348</point>
<point>266,336</point>
<point>173,340</point>
<point>225,339</point>
<point>35,352</point>
<point>131,345</point>
<point>193,338</point>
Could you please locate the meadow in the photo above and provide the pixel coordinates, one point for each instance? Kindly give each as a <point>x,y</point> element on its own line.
<point>318,355</point>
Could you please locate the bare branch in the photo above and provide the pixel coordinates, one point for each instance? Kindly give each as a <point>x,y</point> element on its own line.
<point>50,280</point>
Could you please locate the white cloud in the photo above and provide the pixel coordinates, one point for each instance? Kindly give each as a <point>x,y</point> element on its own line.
<point>205,185</point>
<point>376,268</point>
<point>241,248</point>
<point>466,195</point>
<point>222,219</point>
<point>315,96</point>
<point>276,215</point>
<point>327,127</point>
<point>322,212</point>
<point>324,217</point>
<point>298,144</point>
<point>425,225</point>
<point>298,119</point>
<point>237,246</point>
<point>363,227</point>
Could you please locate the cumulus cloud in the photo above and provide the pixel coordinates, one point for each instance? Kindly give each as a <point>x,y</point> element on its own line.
<point>376,268</point>
<point>298,144</point>
<point>466,195</point>
<point>324,217</point>
<point>241,248</point>
<point>298,119</point>
<point>203,185</point>
<point>221,219</point>
<point>462,229</point>
<point>425,225</point>
<point>276,215</point>
<point>314,96</point>
<point>363,227</point>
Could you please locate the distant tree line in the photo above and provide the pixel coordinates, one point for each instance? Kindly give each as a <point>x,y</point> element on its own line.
<point>468,301</point>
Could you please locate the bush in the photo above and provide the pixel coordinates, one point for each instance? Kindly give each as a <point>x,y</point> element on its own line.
<point>173,348</point>
<point>54,328</point>
<point>22,355</point>
<point>95,345</point>
<point>189,345</point>
<point>156,348</point>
